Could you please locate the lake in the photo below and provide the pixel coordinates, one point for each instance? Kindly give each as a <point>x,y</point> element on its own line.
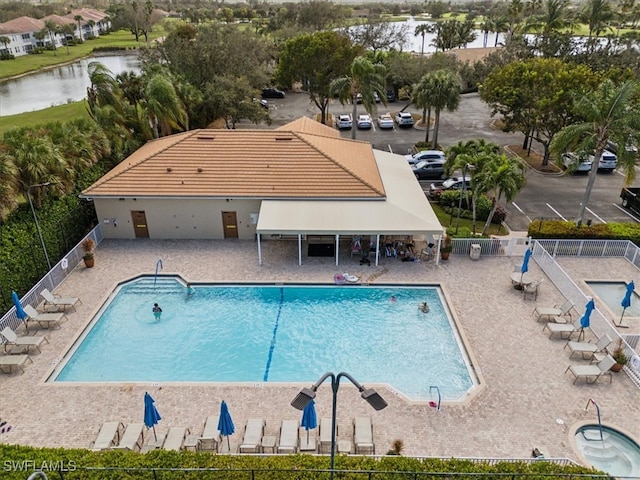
<point>57,86</point>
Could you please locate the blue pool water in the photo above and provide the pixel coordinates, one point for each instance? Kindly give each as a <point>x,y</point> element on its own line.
<point>614,452</point>
<point>288,333</point>
<point>612,293</point>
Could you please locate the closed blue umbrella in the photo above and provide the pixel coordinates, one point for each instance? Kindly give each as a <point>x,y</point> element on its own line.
<point>626,301</point>
<point>309,418</point>
<point>151,415</point>
<point>586,318</point>
<point>525,263</point>
<point>20,313</point>
<point>225,423</point>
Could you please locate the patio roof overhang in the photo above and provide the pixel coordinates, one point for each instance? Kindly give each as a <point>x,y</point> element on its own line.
<point>404,211</point>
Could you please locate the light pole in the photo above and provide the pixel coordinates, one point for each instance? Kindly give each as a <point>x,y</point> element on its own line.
<point>307,394</point>
<point>464,190</point>
<point>46,255</point>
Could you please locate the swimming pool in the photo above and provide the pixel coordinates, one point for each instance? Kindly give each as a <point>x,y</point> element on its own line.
<point>611,293</point>
<point>614,452</point>
<point>273,333</point>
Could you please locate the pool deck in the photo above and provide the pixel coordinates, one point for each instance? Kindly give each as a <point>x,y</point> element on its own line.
<point>525,392</point>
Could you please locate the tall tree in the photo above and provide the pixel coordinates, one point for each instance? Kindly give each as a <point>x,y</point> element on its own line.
<point>444,89</point>
<point>163,107</point>
<point>315,60</point>
<point>609,112</point>
<point>422,29</point>
<point>79,19</point>
<point>4,41</point>
<point>596,14</point>
<point>364,78</point>
<point>50,26</point>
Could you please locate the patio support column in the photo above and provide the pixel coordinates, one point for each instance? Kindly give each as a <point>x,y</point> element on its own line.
<point>299,249</point>
<point>438,250</point>
<point>337,248</point>
<point>377,248</point>
<point>259,250</point>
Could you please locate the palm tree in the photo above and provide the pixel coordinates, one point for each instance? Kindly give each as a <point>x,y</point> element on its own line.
<point>364,78</point>
<point>554,17</point>
<point>610,112</point>
<point>78,19</point>
<point>50,26</point>
<point>596,14</point>
<point>163,106</point>
<point>423,29</point>
<point>422,99</point>
<point>8,182</point>
<point>444,87</point>
<point>6,41</point>
<point>501,176</point>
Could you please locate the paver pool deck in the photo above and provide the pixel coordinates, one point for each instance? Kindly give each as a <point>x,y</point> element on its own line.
<point>525,389</point>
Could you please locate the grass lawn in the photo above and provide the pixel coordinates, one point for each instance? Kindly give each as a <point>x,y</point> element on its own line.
<point>466,226</point>
<point>59,113</point>
<point>32,63</point>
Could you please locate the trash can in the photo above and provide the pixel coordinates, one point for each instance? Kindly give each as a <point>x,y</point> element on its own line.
<point>474,254</point>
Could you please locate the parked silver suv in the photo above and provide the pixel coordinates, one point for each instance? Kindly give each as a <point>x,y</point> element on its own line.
<point>404,119</point>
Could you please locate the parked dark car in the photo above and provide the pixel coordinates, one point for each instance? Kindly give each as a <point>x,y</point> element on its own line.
<point>425,170</point>
<point>391,96</point>
<point>272,93</point>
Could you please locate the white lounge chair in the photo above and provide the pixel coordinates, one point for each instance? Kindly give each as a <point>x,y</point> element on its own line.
<point>175,438</point>
<point>325,435</point>
<point>363,436</point>
<point>532,289</point>
<point>307,441</point>
<point>252,436</point>
<point>562,328</point>
<point>588,348</point>
<point>11,361</point>
<point>22,343</point>
<point>594,371</point>
<point>108,436</point>
<point>43,319</point>
<point>288,436</point>
<point>210,438</point>
<point>549,313</point>
<point>57,302</point>
<point>132,439</point>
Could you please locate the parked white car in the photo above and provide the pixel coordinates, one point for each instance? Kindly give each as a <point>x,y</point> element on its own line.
<point>364,121</point>
<point>344,122</point>
<point>608,161</point>
<point>385,122</point>
<point>404,119</point>
<point>573,160</point>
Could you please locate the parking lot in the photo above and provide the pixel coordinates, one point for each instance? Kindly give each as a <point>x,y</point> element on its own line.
<point>544,196</point>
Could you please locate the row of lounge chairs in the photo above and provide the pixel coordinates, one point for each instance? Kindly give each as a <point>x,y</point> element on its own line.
<point>17,348</point>
<point>114,435</point>
<point>558,323</point>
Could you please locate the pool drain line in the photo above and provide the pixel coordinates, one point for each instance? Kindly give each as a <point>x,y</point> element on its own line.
<point>273,338</point>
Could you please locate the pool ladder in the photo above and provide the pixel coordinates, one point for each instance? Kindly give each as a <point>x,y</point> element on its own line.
<point>432,403</point>
<point>598,411</point>
<point>158,265</point>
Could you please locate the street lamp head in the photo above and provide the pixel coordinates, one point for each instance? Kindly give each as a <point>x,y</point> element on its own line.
<point>303,398</point>
<point>374,399</point>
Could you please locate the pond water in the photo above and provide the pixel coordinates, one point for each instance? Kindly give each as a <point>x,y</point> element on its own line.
<point>57,86</point>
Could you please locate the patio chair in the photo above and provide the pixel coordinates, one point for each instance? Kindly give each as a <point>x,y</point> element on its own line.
<point>132,439</point>
<point>363,436</point>
<point>21,343</point>
<point>288,436</point>
<point>108,436</point>
<point>532,289</point>
<point>552,312</point>
<point>57,302</point>
<point>562,328</point>
<point>11,361</point>
<point>210,438</point>
<point>252,436</point>
<point>594,371</point>
<point>428,253</point>
<point>175,438</point>
<point>43,319</point>
<point>325,435</point>
<point>588,348</point>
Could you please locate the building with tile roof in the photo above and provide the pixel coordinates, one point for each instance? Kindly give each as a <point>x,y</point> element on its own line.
<point>301,179</point>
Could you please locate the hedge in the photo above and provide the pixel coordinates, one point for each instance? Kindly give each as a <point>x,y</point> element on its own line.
<point>557,229</point>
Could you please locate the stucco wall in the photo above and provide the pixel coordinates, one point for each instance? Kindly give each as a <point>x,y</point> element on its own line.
<point>175,219</point>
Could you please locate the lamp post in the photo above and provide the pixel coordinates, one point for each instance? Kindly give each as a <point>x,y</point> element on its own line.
<point>46,255</point>
<point>464,190</point>
<point>372,397</point>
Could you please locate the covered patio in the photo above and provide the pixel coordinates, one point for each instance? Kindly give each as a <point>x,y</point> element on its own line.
<point>404,211</point>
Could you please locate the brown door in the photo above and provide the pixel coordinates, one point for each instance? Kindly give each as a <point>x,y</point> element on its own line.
<point>230,224</point>
<point>140,224</point>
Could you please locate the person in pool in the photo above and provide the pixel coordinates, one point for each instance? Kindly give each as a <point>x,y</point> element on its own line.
<point>190,290</point>
<point>157,311</point>
<point>424,307</point>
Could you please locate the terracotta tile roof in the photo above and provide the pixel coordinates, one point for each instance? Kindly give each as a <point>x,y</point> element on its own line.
<point>58,20</point>
<point>307,125</point>
<point>21,25</point>
<point>282,163</point>
<point>89,14</point>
